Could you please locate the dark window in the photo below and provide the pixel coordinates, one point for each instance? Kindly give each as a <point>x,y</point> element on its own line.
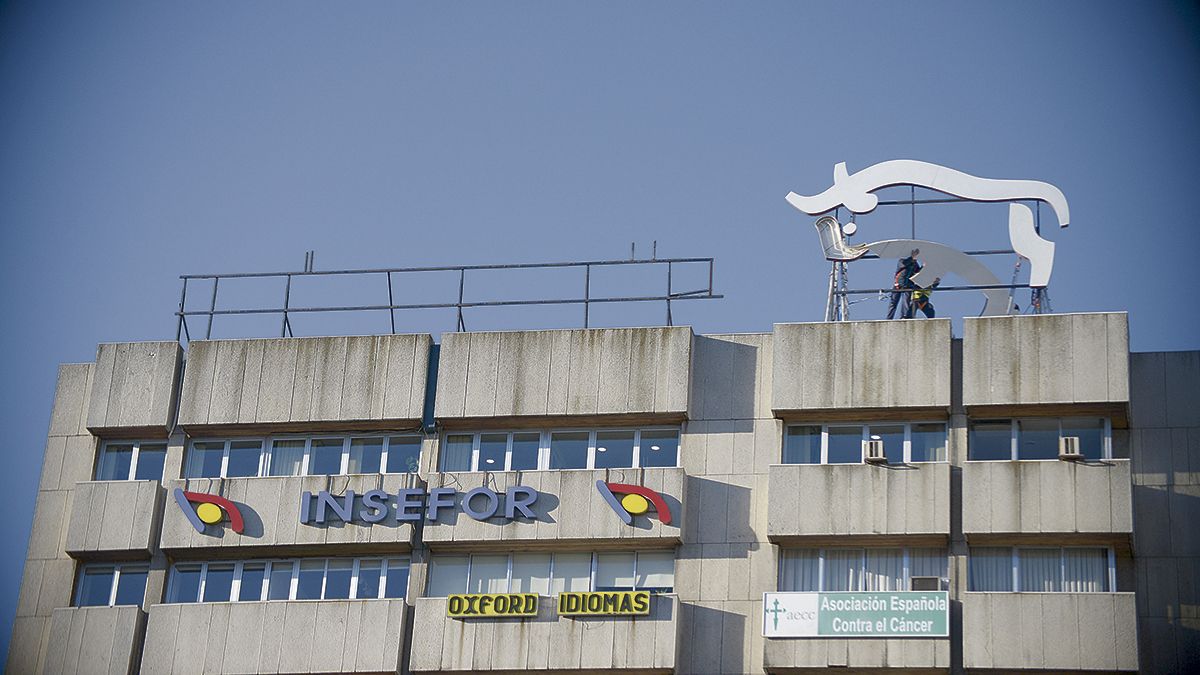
<point>660,448</point>
<point>151,458</point>
<point>569,450</point>
<point>802,445</point>
<point>614,449</point>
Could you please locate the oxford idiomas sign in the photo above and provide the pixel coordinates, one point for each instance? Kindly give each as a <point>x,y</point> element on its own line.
<point>842,614</point>
<point>413,504</point>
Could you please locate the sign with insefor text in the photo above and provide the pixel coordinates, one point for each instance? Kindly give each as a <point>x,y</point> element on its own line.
<point>604,603</point>
<point>491,605</point>
<point>889,614</point>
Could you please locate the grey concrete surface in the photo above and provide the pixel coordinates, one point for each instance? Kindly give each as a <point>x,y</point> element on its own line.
<point>787,655</point>
<point>861,364</point>
<point>298,636</point>
<point>1034,497</point>
<point>114,517</point>
<point>569,510</point>
<point>547,642</point>
<point>610,371</point>
<point>1050,631</point>
<point>813,500</point>
<point>93,640</point>
<point>295,380</point>
<point>134,386</point>
<point>1046,359</point>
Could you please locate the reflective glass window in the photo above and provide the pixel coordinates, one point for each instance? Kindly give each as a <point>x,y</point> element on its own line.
<point>655,571</point>
<point>456,453</point>
<point>280,585</point>
<point>252,582</point>
<point>308,582</point>
<point>492,449</point>
<point>244,457</point>
<point>151,459</point>
<point>990,569</point>
<point>115,462</point>
<point>337,579</point>
<point>569,450</point>
<point>204,460</point>
<point>892,436</point>
<point>287,457</point>
<point>614,571</point>
<point>991,440</point>
<point>369,573</point>
<point>802,445</point>
<point>325,457</point>
<point>1089,431</point>
<point>489,574</point>
<point>447,575</point>
<point>659,448</point>
<point>530,573</point>
<point>131,585</point>
<point>218,582</point>
<point>614,449</point>
<point>572,572</point>
<point>1037,439</point>
<point>404,454</point>
<point>185,584</point>
<point>366,455</point>
<point>845,445</point>
<point>95,586</point>
<point>525,448</point>
<point>397,579</point>
<point>928,442</point>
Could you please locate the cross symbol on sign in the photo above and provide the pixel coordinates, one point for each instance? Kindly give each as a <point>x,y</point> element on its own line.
<point>776,611</point>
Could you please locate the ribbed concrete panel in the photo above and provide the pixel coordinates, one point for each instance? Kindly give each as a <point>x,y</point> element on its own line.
<point>861,364</point>
<point>114,517</point>
<point>297,380</point>
<point>271,509</point>
<point>624,371</point>
<point>1046,359</point>
<point>1052,631</point>
<point>915,654</point>
<point>134,386</point>
<point>326,636</point>
<point>1051,497</point>
<point>545,643</point>
<point>814,500</point>
<point>92,640</point>
<point>570,508</point>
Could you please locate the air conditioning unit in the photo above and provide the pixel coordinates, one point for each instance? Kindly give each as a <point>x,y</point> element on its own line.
<point>926,583</point>
<point>1068,448</point>
<point>873,451</point>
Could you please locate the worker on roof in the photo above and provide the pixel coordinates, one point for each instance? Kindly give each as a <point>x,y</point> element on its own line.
<point>920,301</point>
<point>902,285</point>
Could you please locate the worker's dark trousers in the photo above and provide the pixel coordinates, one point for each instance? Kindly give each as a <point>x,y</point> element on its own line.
<point>905,307</point>
<point>926,308</point>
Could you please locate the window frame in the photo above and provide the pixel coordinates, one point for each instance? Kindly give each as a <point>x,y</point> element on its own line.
<point>862,563</point>
<point>235,587</point>
<point>133,460</point>
<point>550,574</point>
<point>1014,552</point>
<point>266,452</point>
<point>1014,437</point>
<point>544,440</point>
<point>866,436</point>
<point>116,582</point>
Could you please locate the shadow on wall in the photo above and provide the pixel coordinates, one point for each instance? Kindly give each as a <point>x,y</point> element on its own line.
<point>724,378</point>
<point>1167,555</point>
<point>706,649</point>
<point>718,512</point>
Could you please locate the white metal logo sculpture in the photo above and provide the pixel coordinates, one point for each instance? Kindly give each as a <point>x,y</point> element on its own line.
<point>854,191</point>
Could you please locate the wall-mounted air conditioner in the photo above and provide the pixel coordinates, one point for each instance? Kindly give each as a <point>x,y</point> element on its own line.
<point>1068,448</point>
<point>873,452</point>
<point>926,584</point>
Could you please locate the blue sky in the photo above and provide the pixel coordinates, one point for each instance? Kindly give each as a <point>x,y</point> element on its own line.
<point>140,141</point>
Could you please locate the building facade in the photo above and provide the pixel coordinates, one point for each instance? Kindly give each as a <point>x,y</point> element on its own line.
<point>878,496</point>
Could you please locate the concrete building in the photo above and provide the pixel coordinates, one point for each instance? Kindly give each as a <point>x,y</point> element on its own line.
<point>627,500</point>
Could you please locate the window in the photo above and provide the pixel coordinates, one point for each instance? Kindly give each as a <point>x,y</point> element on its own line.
<point>845,443</point>
<point>295,579</point>
<point>1038,437</point>
<point>549,574</point>
<point>1041,569</point>
<point>557,450</point>
<point>110,585</point>
<point>858,569</point>
<point>311,456</point>
<point>131,461</point>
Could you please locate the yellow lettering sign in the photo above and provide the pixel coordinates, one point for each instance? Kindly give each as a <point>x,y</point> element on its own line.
<point>472,605</point>
<point>604,603</point>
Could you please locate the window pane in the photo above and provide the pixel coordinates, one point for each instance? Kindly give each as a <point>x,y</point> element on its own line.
<point>131,586</point>
<point>614,449</point>
<point>1040,569</point>
<point>614,571</point>
<point>1086,570</point>
<point>1089,431</point>
<point>185,583</point>
<point>308,584</point>
<point>1037,439</point>
<point>572,572</point>
<point>252,581</point>
<point>569,450</point>
<point>404,454</point>
<point>204,460</point>
<point>843,569</point>
<point>325,457</point>
<point>893,441</point>
<point>656,571</point>
<point>799,570</point>
<point>337,579</point>
<point>991,440</point>
<point>884,570</point>
<point>447,575</point>
<point>397,579</point>
<point>802,445</point>
<point>845,445</point>
<point>243,458</point>
<point>456,453</point>
<point>151,458</point>
<point>280,586</point>
<point>928,442</point>
<point>492,448</point>
<point>366,455</point>
<point>489,574</point>
<point>95,586</point>
<point>659,448</point>
<point>218,582</point>
<point>287,457</point>
<point>369,572</point>
<point>928,562</point>
<point>525,452</point>
<point>990,569</point>
<point>531,573</point>
<point>114,462</point>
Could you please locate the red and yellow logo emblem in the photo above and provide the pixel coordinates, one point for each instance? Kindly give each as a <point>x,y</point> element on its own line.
<point>209,510</point>
<point>635,501</point>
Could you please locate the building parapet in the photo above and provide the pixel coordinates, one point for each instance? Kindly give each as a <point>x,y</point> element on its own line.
<point>114,517</point>
<point>133,388</point>
<point>95,640</point>
<point>802,654</point>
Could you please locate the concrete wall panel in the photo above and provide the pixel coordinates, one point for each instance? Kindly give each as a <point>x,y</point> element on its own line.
<point>96,640</point>
<point>134,385</point>
<point>114,517</point>
<point>1033,497</point>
